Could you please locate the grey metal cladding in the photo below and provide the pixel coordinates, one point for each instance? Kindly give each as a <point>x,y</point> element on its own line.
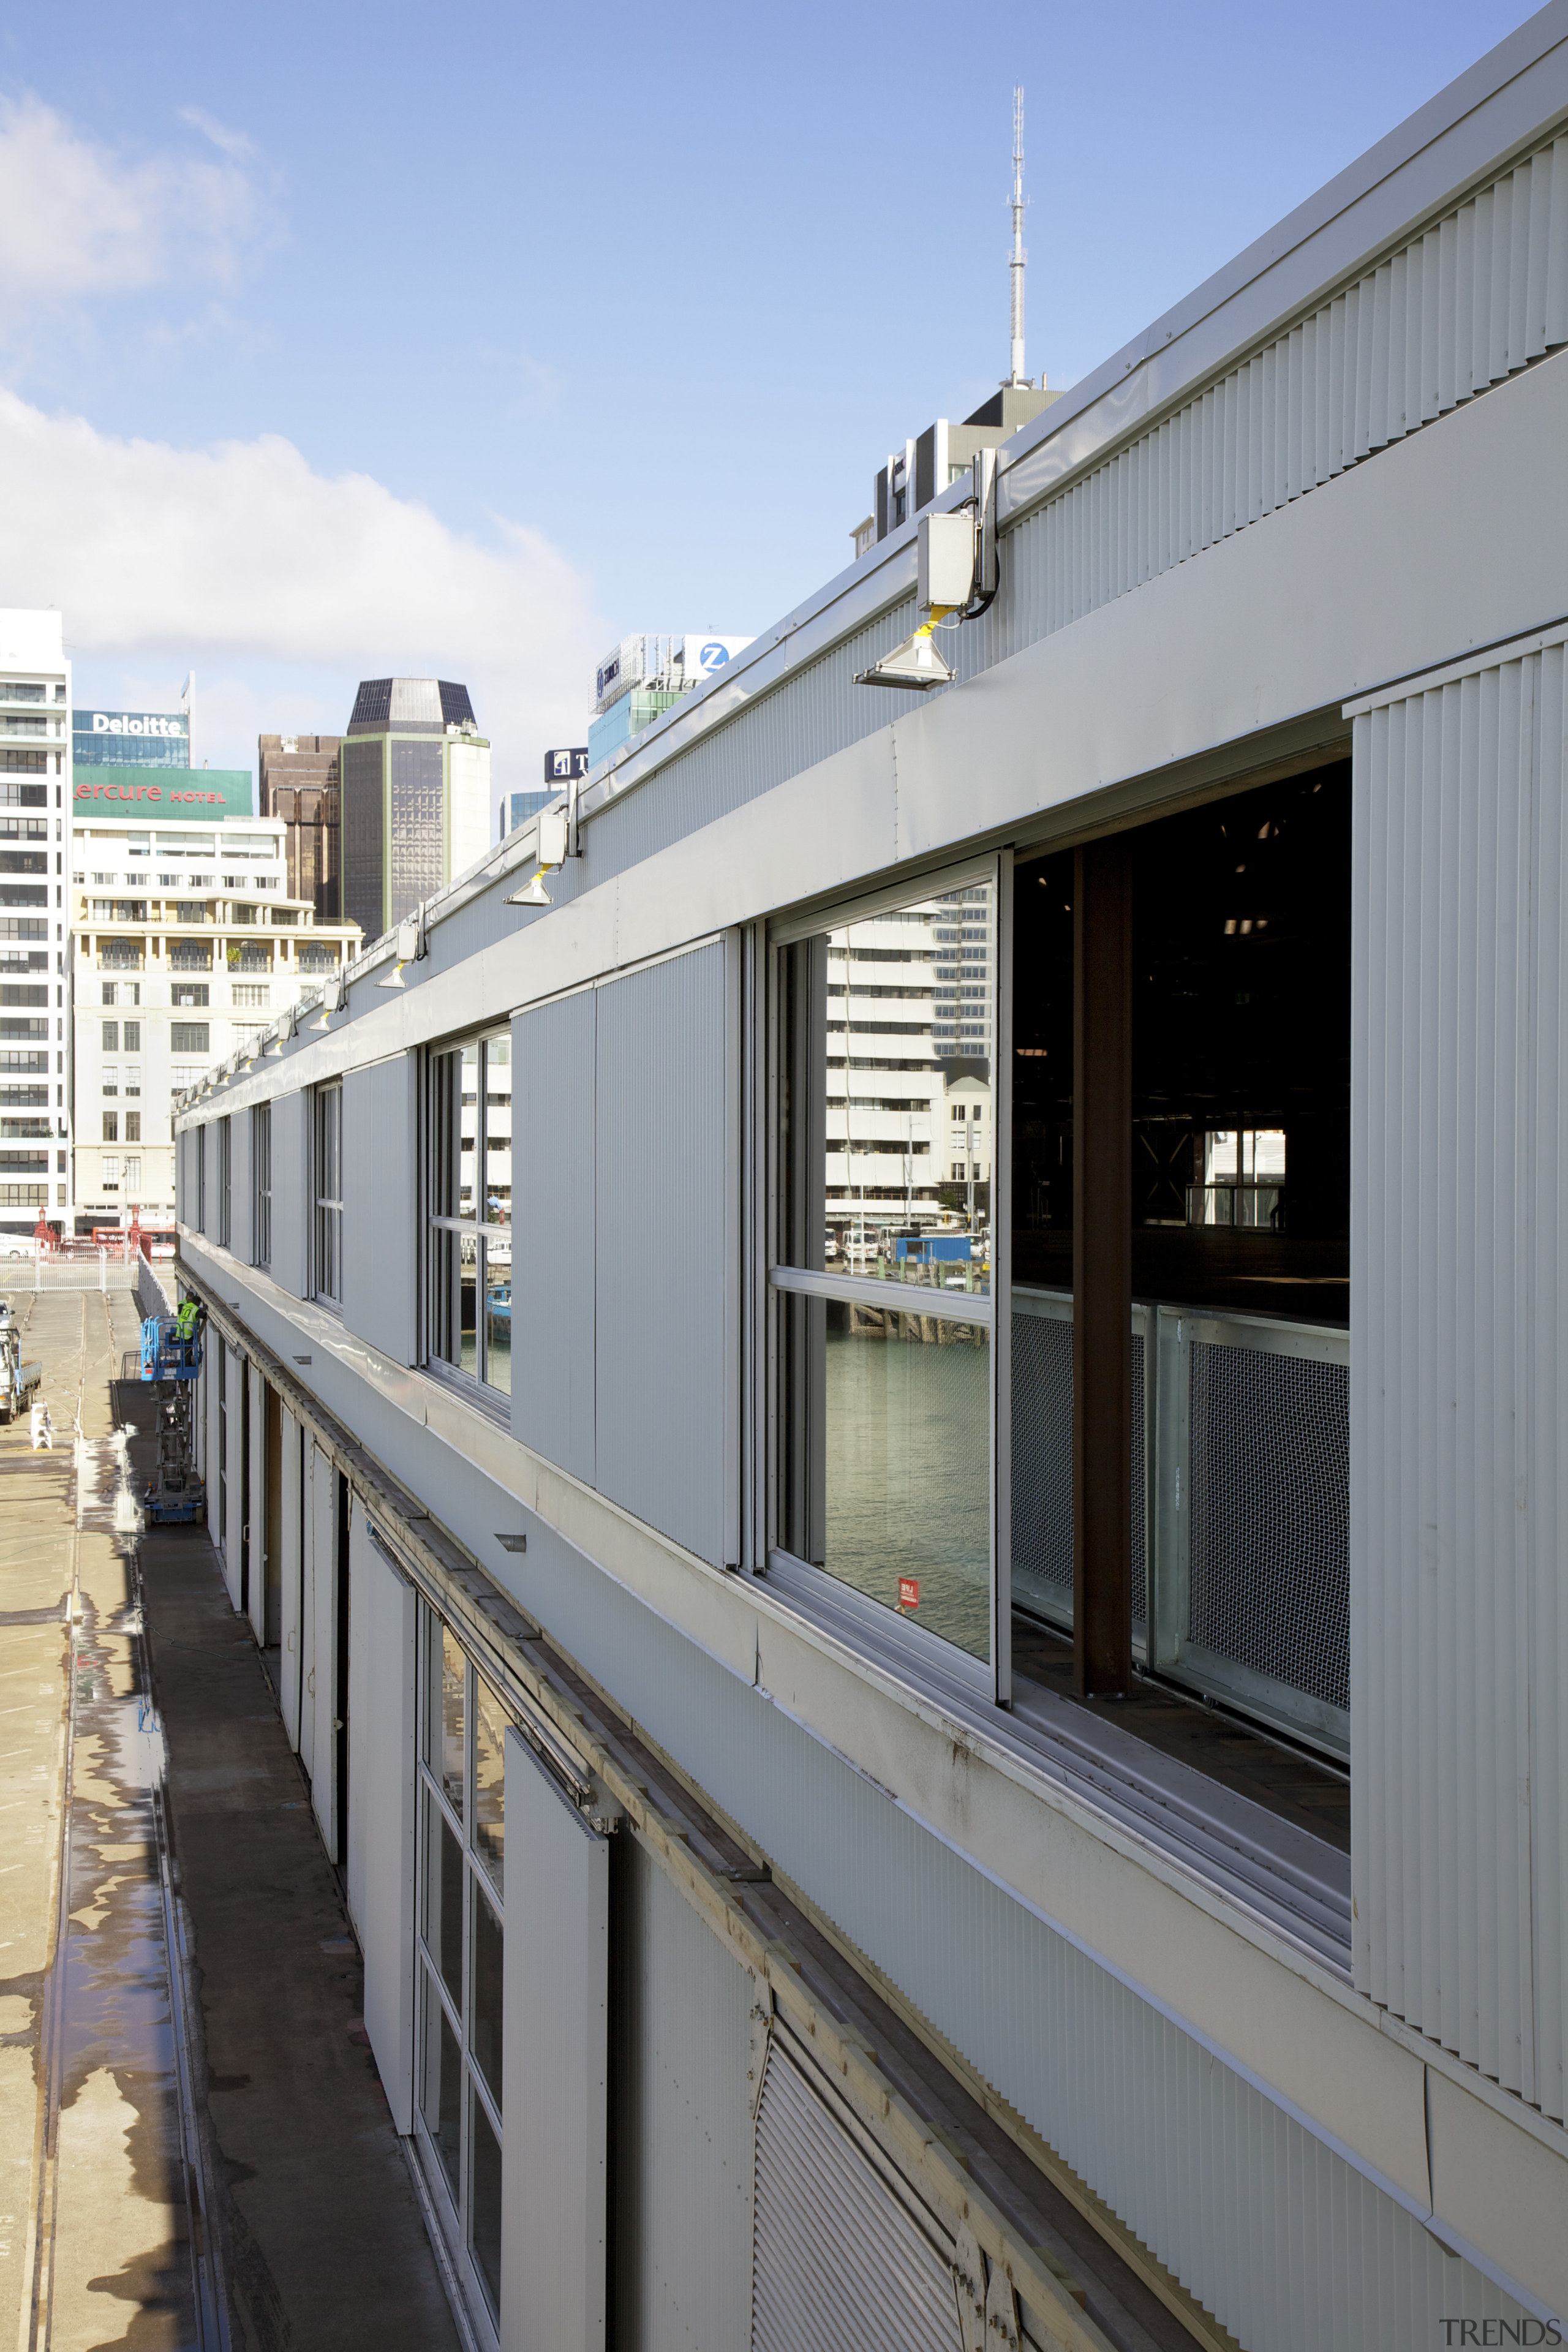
<point>290,1216</point>
<point>380,1207</point>
<point>552,1115</point>
<point>681,2027</point>
<point>1202,2166</point>
<point>1459,1481</point>
<point>1478,293</point>
<point>660,1370</point>
<point>821,2202</point>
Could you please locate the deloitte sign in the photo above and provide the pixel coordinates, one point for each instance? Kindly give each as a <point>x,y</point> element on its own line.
<point>188,795</point>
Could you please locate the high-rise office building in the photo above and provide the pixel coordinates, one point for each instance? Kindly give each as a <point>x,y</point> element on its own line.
<point>516,808</point>
<point>187,937</point>
<point>643,676</point>
<point>297,780</point>
<point>35,785</point>
<point>415,789</point>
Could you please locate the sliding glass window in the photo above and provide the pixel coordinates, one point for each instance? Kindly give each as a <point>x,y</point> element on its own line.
<point>1206,1233</point>
<point>462,1757</point>
<point>880,1259</point>
<point>468,1190</point>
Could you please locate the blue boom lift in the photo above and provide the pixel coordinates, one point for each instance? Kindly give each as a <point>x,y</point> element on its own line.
<point>172,1357</point>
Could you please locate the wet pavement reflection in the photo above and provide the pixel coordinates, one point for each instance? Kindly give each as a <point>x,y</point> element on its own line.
<point>194,2147</point>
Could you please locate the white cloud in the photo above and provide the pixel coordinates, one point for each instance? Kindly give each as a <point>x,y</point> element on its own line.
<point>241,557</point>
<point>227,140</point>
<point>79,217</point>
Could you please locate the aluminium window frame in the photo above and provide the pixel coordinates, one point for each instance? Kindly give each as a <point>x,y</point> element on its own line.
<point>769,1282</point>
<point>261,1183</point>
<point>224,1181</point>
<point>452,2207</point>
<point>473,1386</point>
<point>326,1210</point>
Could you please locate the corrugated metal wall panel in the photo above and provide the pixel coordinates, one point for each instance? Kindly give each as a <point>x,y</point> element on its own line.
<point>659,1365</point>
<point>1459,1496</point>
<point>289,1226</point>
<point>553,1094</point>
<point>1480,294</point>
<point>841,2256</point>
<point>683,2123</point>
<point>1468,302</point>
<point>380,1168</point>
<point>1279,2236</point>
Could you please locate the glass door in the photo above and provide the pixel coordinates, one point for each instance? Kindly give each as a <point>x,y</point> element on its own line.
<point>460,1914</point>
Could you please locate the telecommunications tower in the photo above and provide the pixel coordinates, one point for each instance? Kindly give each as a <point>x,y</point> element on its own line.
<point>1017,381</point>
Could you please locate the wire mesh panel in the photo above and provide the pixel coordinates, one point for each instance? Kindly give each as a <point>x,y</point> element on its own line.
<point>1268,1561</point>
<point>1042,1458</point>
<point>1042,1450</point>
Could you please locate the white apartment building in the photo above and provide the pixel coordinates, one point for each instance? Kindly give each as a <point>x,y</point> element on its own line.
<point>908,1021</point>
<point>183,946</point>
<point>35,785</point>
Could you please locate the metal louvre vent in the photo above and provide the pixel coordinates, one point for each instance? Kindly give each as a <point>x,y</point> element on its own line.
<point>844,2251</point>
<point>1042,1456</point>
<point>1270,1467</point>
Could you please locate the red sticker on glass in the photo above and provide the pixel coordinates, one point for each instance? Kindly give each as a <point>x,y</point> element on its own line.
<point>909,1592</point>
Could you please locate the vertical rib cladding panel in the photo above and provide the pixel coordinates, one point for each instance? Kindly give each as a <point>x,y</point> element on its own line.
<point>291,1223</point>
<point>553,1094</point>
<point>841,2258</point>
<point>683,2136</point>
<point>1276,2234</point>
<point>380,1159</point>
<point>1478,295</point>
<point>659,1367</point>
<point>1459,1513</point>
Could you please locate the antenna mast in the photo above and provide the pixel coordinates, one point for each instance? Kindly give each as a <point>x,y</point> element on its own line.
<point>1018,380</point>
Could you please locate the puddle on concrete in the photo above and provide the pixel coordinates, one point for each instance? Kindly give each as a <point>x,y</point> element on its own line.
<point>121,2221</point>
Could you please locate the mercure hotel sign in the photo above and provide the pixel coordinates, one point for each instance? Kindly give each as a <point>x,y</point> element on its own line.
<point>170,792</point>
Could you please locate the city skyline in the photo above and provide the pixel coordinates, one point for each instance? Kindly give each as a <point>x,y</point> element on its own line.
<point>461,520</point>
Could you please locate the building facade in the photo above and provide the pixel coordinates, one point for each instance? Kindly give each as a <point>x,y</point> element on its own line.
<point>939,1803</point>
<point>185,944</point>
<point>131,739</point>
<point>642,678</point>
<point>35,795</point>
<point>415,795</point>
<point>297,780</point>
<point>516,808</point>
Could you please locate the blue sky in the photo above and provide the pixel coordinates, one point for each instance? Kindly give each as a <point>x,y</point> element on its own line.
<point>335,342</point>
